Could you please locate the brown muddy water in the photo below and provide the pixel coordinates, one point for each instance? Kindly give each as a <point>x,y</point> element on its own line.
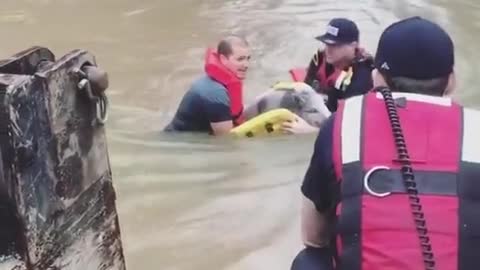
<point>193,202</point>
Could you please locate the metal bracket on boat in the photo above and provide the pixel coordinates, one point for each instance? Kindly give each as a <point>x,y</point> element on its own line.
<point>366,182</point>
<point>95,95</point>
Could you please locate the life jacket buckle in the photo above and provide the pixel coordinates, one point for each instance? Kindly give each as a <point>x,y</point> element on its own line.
<point>366,182</point>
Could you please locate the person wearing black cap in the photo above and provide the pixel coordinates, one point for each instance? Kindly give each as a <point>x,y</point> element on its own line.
<point>393,179</point>
<point>342,69</point>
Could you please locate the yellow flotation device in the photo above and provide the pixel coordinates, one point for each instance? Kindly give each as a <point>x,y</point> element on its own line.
<point>269,123</point>
<point>265,124</point>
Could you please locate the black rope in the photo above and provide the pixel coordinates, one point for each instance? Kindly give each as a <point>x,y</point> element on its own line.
<point>409,180</point>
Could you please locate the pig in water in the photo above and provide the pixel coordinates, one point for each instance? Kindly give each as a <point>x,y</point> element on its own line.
<point>297,97</point>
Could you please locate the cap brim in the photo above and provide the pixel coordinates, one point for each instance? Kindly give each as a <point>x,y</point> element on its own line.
<point>326,40</point>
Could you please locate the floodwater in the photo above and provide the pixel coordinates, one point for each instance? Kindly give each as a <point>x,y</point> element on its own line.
<point>191,201</point>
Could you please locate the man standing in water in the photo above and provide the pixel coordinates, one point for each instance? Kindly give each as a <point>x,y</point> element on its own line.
<point>214,103</point>
<point>383,189</point>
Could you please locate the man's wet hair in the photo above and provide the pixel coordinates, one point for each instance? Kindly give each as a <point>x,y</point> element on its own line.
<point>433,87</point>
<point>225,46</point>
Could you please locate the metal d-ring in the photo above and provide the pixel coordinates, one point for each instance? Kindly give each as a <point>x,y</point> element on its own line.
<point>102,109</point>
<point>366,183</point>
<point>101,102</point>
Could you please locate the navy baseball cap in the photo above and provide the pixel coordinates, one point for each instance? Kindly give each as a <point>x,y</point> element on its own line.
<point>340,31</point>
<point>415,48</point>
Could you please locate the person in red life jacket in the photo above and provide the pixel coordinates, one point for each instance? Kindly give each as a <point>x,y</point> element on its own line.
<point>343,69</point>
<point>393,181</point>
<point>214,103</point>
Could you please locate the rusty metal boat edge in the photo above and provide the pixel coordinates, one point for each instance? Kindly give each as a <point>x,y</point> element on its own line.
<point>56,192</point>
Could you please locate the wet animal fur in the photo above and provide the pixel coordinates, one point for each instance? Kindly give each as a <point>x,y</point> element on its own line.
<point>304,102</point>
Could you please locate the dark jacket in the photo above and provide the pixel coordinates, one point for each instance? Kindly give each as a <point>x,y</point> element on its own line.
<point>361,81</point>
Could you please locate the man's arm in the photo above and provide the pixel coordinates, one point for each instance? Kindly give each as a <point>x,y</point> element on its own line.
<point>221,128</point>
<point>318,190</point>
<point>314,225</point>
<point>217,108</point>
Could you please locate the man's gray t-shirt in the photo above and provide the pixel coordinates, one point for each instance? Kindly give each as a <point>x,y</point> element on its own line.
<point>206,102</point>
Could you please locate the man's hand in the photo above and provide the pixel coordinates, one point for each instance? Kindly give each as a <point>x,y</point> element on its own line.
<point>221,128</point>
<point>298,126</point>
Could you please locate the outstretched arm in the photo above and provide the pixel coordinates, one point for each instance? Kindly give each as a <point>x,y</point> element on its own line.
<point>318,191</point>
<point>298,126</point>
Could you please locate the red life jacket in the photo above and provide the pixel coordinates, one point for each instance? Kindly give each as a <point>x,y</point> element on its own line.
<point>324,80</point>
<point>377,233</point>
<point>218,72</point>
